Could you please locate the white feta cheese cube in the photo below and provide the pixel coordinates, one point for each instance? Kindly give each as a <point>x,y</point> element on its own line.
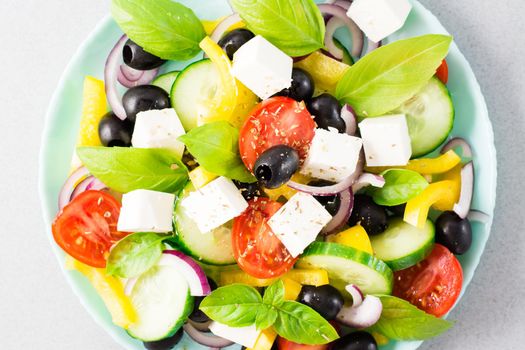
<point>386,140</point>
<point>262,67</point>
<point>158,129</point>
<point>214,204</point>
<point>246,336</point>
<point>332,156</point>
<point>146,211</point>
<point>298,222</point>
<point>379,18</point>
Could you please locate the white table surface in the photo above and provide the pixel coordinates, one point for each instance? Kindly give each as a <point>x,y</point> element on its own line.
<point>38,309</point>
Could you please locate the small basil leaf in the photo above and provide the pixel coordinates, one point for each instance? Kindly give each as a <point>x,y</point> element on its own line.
<point>266,316</point>
<point>135,254</point>
<point>235,305</point>
<point>294,26</point>
<point>125,169</point>
<point>301,324</point>
<point>387,77</point>
<point>400,186</point>
<point>162,27</point>
<point>216,148</point>
<point>274,294</point>
<point>401,320</point>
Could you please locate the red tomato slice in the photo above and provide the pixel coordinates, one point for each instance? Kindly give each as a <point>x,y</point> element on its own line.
<point>432,285</point>
<point>255,247</point>
<point>283,344</point>
<point>442,72</point>
<point>87,227</point>
<point>276,121</point>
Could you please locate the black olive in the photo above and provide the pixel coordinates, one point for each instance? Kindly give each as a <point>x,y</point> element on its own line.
<point>330,203</point>
<point>453,232</point>
<point>356,341</point>
<point>302,88</point>
<point>197,315</point>
<point>368,214</point>
<point>249,191</point>
<point>397,210</point>
<point>326,111</point>
<point>144,98</point>
<point>326,300</point>
<point>232,41</point>
<point>165,344</point>
<point>276,166</point>
<point>135,57</point>
<point>114,132</point>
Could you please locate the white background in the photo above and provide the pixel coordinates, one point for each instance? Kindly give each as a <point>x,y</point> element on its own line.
<point>37,308</point>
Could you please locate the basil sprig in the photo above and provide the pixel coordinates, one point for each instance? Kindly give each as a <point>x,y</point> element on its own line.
<point>401,185</point>
<point>239,305</point>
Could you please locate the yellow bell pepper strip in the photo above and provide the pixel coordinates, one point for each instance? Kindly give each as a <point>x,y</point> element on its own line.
<point>314,277</point>
<point>200,177</point>
<point>284,190</point>
<point>355,237</point>
<point>94,107</point>
<point>417,208</point>
<point>110,289</point>
<point>210,25</point>
<point>267,337</point>
<point>448,202</point>
<point>425,166</point>
<point>325,71</point>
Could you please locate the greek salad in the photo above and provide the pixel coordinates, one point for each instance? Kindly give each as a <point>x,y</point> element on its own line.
<point>294,186</point>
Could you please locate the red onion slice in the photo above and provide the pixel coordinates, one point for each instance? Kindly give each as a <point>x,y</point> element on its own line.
<point>343,214</point>
<point>343,3</point>
<point>130,77</point>
<point>462,207</point>
<point>202,327</point>
<point>458,142</point>
<point>478,216</point>
<point>357,295</point>
<point>368,179</point>
<point>350,118</point>
<point>64,197</point>
<point>362,316</point>
<point>205,339</point>
<point>129,285</point>
<point>357,34</point>
<point>332,25</point>
<point>111,77</point>
<point>193,273</point>
<point>223,26</point>
<point>90,183</point>
<point>371,46</point>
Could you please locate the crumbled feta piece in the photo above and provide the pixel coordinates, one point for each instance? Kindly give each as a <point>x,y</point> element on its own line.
<point>146,211</point>
<point>158,129</point>
<point>298,222</point>
<point>379,18</point>
<point>246,336</point>
<point>214,204</point>
<point>386,140</point>
<point>332,156</point>
<point>262,67</point>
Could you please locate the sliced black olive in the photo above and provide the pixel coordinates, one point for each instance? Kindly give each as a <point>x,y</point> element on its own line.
<point>302,88</point>
<point>114,132</point>
<point>165,344</point>
<point>368,214</point>
<point>326,300</point>
<point>330,203</point>
<point>454,232</point>
<point>326,111</point>
<point>356,341</point>
<point>144,98</point>
<point>232,41</point>
<point>135,57</point>
<point>249,190</point>
<point>276,166</point>
<point>197,315</point>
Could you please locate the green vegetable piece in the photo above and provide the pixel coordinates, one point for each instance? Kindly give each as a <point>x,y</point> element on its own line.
<point>387,77</point>
<point>294,26</point>
<point>401,320</point>
<point>164,28</point>
<point>216,148</point>
<point>400,186</point>
<point>135,254</point>
<point>125,169</point>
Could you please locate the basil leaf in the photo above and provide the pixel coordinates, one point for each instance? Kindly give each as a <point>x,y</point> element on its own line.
<point>235,305</point>
<point>162,27</point>
<point>216,148</point>
<point>274,294</point>
<point>400,186</point>
<point>266,316</point>
<point>135,254</point>
<point>301,324</point>
<point>401,320</point>
<point>294,26</point>
<point>125,169</point>
<point>385,78</point>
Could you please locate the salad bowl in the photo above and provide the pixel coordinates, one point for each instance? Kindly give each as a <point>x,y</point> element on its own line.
<point>472,123</point>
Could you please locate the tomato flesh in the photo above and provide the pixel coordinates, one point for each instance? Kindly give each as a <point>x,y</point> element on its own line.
<point>442,72</point>
<point>256,248</point>
<point>87,227</point>
<point>276,121</point>
<point>283,344</point>
<point>434,284</point>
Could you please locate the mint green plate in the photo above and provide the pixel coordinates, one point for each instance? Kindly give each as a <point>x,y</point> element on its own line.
<point>58,142</point>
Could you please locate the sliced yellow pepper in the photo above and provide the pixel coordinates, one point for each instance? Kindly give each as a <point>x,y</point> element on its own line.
<point>426,166</point>
<point>448,202</point>
<point>284,190</point>
<point>355,237</point>
<point>416,211</point>
<point>325,71</point>
<point>94,107</point>
<point>210,25</point>
<point>110,290</point>
<point>314,277</point>
<point>200,177</point>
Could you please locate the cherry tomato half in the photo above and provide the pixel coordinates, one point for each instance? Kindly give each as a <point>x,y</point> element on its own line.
<point>87,227</point>
<point>276,121</point>
<point>442,72</point>
<point>283,344</point>
<point>255,247</point>
<point>432,285</point>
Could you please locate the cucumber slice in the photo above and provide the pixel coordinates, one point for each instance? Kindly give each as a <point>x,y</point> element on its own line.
<point>165,81</point>
<point>193,90</point>
<point>403,245</point>
<point>430,117</point>
<point>213,248</point>
<point>162,300</point>
<point>346,265</point>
